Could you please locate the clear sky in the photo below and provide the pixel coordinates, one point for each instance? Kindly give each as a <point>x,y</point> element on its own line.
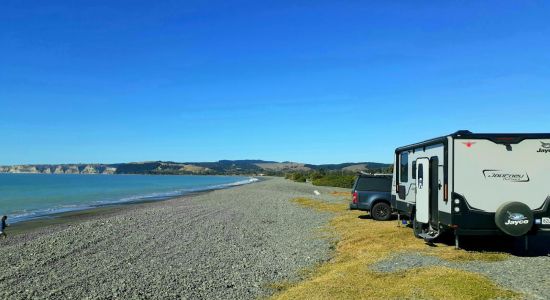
<point>308,81</point>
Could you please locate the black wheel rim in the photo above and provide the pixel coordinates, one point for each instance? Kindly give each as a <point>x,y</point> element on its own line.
<point>381,211</point>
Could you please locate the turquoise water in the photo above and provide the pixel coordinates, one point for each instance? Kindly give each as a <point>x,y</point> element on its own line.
<point>29,196</point>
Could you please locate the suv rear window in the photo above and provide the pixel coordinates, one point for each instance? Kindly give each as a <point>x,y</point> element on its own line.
<point>381,184</point>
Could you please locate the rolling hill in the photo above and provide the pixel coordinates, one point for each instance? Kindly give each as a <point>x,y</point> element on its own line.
<point>227,167</point>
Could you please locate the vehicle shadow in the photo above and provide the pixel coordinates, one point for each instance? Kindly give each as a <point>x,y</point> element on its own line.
<point>369,217</point>
<point>536,245</point>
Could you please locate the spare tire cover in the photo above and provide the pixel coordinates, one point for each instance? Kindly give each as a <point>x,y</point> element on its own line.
<point>514,218</point>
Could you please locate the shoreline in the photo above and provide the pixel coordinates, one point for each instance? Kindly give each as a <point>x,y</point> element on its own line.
<point>67,218</point>
<point>231,243</point>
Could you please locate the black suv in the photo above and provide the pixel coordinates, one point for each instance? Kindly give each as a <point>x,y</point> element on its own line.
<point>372,193</point>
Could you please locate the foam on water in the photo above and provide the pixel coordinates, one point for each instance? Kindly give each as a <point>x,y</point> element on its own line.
<point>30,196</point>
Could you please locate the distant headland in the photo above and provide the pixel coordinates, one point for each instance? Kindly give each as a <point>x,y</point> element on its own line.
<point>222,167</point>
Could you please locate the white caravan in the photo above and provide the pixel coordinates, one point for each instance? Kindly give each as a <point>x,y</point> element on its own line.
<point>475,184</point>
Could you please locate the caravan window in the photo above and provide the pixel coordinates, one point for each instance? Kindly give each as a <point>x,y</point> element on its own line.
<point>414,169</point>
<point>420,180</point>
<point>404,170</point>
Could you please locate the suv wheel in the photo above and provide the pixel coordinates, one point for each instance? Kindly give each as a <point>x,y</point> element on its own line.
<point>381,211</point>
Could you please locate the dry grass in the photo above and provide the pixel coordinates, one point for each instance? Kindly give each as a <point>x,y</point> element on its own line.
<point>364,242</point>
<point>341,194</point>
<point>449,253</point>
<point>320,205</point>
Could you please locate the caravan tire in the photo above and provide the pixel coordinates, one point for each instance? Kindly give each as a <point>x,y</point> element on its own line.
<point>514,218</point>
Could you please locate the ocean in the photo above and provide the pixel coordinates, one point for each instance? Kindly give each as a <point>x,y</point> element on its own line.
<point>30,196</point>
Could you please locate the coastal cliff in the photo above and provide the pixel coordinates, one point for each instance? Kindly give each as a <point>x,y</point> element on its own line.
<point>222,167</point>
<point>59,169</point>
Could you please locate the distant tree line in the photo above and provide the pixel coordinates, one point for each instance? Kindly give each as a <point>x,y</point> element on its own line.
<point>323,175</point>
<point>340,178</point>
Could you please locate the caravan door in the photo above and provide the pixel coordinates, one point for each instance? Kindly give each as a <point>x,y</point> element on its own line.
<point>423,190</point>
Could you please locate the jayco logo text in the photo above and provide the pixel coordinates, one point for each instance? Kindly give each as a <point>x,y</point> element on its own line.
<point>505,176</point>
<point>515,219</point>
<point>545,148</point>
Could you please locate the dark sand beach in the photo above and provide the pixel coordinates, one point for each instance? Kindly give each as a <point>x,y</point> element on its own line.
<point>229,243</point>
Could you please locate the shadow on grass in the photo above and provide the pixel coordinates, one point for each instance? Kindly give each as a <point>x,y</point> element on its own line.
<point>368,217</point>
<point>537,245</point>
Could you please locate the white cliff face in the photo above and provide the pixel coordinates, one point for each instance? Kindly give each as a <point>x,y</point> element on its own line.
<point>23,169</point>
<point>58,169</point>
<point>109,171</point>
<point>72,170</point>
<point>89,170</point>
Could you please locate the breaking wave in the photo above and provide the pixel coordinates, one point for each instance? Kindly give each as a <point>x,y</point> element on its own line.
<point>31,214</point>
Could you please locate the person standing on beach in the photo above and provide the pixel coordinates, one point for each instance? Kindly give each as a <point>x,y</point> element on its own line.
<point>3,226</point>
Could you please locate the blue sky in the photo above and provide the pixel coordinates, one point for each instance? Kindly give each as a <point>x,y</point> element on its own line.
<point>308,81</point>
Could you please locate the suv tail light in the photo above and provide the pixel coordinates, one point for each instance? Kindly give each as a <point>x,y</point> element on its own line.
<point>354,198</point>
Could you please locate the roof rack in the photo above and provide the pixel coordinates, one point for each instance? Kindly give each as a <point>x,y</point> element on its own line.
<point>375,174</point>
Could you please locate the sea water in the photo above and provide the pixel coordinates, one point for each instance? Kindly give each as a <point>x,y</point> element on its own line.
<point>29,196</point>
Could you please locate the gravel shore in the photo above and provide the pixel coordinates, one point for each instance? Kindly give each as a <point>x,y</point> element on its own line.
<point>223,244</point>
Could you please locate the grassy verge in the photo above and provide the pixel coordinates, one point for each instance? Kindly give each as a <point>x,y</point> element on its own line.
<point>362,242</point>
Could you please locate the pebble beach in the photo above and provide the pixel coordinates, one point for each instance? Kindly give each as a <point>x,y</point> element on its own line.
<point>232,243</point>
